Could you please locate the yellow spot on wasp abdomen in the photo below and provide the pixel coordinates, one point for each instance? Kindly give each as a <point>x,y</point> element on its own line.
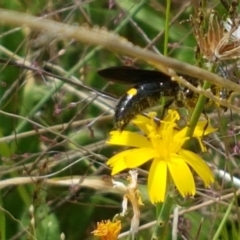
<point>132,91</point>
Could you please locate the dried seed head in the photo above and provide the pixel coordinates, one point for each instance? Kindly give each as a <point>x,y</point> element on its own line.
<point>217,39</point>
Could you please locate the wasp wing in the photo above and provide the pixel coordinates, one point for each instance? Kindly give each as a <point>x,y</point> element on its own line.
<point>129,75</point>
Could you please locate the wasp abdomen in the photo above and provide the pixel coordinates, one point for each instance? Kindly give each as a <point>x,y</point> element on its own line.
<point>140,98</point>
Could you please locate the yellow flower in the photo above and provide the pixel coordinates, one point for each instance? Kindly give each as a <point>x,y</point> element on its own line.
<point>162,143</point>
<point>108,230</point>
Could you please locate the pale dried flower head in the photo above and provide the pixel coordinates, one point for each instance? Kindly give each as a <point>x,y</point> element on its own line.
<point>217,39</point>
<point>131,195</point>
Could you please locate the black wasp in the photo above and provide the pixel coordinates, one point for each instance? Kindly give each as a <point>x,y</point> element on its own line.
<point>149,87</point>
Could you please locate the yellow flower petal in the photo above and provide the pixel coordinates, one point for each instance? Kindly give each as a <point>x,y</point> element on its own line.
<point>203,148</point>
<point>199,166</point>
<point>126,138</point>
<point>117,162</point>
<point>181,134</point>
<point>131,158</point>
<point>139,156</point>
<point>181,175</point>
<point>141,122</point>
<point>157,181</point>
<point>203,128</point>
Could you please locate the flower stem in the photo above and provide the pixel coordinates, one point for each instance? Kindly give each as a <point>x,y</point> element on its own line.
<point>161,228</point>
<point>166,35</point>
<point>197,110</point>
<point>223,222</point>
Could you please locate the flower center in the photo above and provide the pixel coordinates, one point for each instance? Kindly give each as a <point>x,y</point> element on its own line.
<point>165,140</point>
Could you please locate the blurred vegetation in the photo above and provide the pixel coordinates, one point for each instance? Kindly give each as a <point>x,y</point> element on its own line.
<point>50,126</point>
